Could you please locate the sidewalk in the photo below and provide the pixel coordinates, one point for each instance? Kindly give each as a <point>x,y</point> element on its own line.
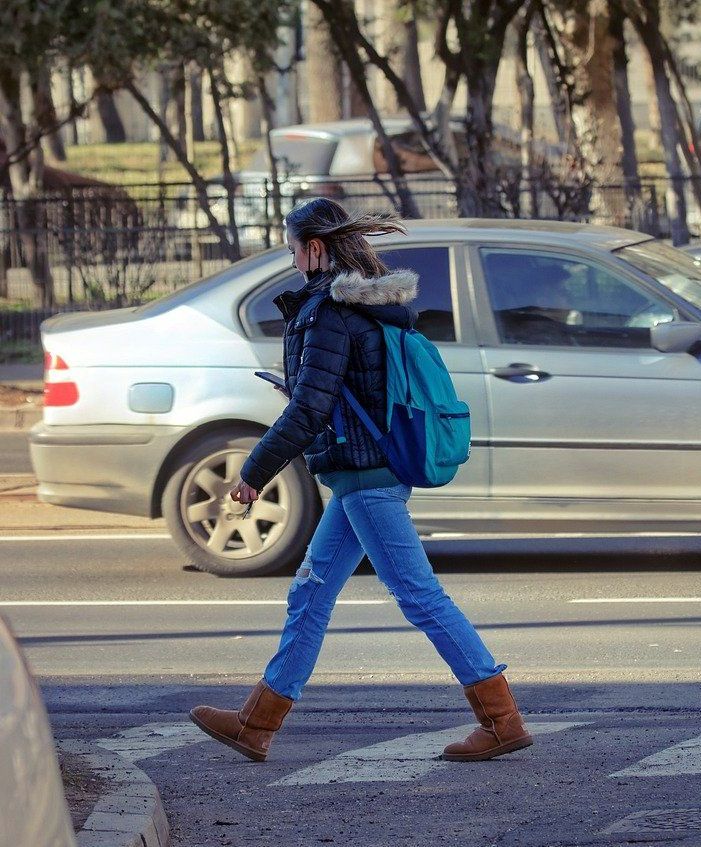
<point>22,513</point>
<point>111,802</point>
<point>21,396</point>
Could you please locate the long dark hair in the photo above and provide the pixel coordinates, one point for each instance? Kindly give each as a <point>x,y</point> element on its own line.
<point>343,233</point>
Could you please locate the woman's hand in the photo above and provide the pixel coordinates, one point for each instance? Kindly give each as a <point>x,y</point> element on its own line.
<point>282,390</point>
<point>243,493</point>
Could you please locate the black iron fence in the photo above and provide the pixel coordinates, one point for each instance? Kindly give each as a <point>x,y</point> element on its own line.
<point>96,248</point>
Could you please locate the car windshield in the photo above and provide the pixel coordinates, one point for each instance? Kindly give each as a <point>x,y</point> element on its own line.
<point>675,269</point>
<point>298,154</point>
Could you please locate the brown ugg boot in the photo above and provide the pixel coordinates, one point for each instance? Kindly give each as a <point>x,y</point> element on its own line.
<point>501,727</point>
<point>249,730</point>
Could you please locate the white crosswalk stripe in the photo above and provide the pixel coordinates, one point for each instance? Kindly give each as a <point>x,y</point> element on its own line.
<point>152,739</point>
<point>396,760</point>
<point>400,759</point>
<point>683,759</point>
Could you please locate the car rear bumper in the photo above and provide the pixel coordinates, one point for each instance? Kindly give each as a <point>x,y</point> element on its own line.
<point>106,467</point>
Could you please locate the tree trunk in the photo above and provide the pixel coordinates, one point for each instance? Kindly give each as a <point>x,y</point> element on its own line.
<point>481,29</point>
<point>188,112</point>
<point>163,100</point>
<point>444,154</point>
<point>649,31</point>
<point>198,182</point>
<point>46,117</point>
<point>338,25</point>
<point>480,193</point>
<point>323,71</point>
<point>176,119</point>
<point>26,180</point>
<point>110,117</point>
<point>688,133</point>
<point>410,61</point>
<point>268,125</point>
<point>629,160</point>
<point>67,74</point>
<point>641,218</point>
<point>229,183</point>
<point>653,110</point>
<point>528,197</point>
<point>559,87</point>
<point>589,47</point>
<point>196,102</point>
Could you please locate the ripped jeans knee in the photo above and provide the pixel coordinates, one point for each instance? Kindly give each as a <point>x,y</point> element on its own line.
<point>305,574</point>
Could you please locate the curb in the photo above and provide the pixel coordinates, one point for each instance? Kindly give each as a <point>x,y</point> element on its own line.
<point>18,486</point>
<point>20,417</point>
<point>132,814</point>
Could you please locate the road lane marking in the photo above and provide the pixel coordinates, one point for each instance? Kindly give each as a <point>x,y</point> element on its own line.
<point>400,759</point>
<point>134,536</point>
<point>683,759</point>
<point>637,600</point>
<point>41,603</point>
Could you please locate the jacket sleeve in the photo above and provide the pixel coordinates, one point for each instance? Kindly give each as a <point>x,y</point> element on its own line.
<point>325,355</point>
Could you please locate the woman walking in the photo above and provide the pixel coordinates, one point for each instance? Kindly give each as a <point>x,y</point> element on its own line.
<point>330,339</point>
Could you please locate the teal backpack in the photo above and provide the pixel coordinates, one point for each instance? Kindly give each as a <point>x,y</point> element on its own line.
<point>428,428</point>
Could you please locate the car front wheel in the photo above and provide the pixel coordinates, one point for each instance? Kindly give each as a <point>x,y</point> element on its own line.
<point>209,527</point>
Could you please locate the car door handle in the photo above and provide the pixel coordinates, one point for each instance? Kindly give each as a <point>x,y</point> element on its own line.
<point>520,372</point>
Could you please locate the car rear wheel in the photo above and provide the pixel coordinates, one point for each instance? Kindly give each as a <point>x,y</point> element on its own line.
<point>207,525</point>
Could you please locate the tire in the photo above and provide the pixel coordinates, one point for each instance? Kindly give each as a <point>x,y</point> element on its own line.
<point>205,522</point>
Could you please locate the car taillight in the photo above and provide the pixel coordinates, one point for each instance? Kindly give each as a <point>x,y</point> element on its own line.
<point>54,363</point>
<point>58,393</point>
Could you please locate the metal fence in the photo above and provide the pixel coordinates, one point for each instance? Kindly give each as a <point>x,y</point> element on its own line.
<point>106,247</point>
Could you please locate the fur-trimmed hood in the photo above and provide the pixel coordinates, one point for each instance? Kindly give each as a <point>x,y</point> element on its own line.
<point>396,287</point>
<point>384,298</point>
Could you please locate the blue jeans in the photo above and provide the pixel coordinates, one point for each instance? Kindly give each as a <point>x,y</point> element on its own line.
<point>373,521</point>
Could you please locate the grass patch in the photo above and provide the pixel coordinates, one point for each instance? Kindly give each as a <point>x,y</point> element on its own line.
<point>137,162</point>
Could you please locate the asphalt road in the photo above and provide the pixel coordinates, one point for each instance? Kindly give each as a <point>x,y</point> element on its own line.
<point>604,660</point>
<point>529,617</point>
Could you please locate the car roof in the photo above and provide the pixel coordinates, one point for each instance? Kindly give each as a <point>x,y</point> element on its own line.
<point>352,126</point>
<point>540,231</point>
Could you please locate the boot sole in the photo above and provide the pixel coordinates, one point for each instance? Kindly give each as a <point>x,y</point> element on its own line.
<point>511,747</point>
<point>248,752</point>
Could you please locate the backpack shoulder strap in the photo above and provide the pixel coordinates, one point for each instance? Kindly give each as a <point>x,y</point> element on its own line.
<point>361,413</point>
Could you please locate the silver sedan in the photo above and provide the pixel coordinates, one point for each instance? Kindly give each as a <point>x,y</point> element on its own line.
<point>575,346</point>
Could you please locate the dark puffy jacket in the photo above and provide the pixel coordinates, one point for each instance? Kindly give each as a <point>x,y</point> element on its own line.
<point>330,338</point>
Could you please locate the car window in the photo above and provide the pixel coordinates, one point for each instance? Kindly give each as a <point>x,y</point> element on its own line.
<point>434,302</point>
<point>549,299</point>
<point>262,314</point>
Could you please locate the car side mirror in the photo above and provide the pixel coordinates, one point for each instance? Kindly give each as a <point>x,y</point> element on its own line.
<point>675,336</point>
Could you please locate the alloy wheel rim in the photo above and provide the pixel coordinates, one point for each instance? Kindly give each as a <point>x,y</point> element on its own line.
<point>214,521</point>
